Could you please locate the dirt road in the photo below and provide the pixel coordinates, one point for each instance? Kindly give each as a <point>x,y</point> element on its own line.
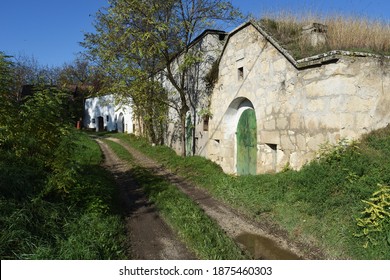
<point>263,240</point>
<point>150,238</point>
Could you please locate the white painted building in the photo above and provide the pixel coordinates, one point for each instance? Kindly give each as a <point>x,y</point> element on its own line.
<point>103,113</point>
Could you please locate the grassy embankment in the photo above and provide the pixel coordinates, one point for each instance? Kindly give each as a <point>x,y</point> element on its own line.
<point>202,235</point>
<point>319,205</point>
<point>79,222</point>
<point>348,33</point>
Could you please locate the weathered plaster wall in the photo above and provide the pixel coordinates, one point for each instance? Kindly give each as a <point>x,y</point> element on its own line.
<point>106,107</point>
<point>296,110</point>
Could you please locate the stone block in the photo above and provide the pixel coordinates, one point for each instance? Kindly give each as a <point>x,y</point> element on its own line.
<point>286,143</point>
<point>281,123</point>
<point>316,105</point>
<point>269,124</point>
<point>272,137</point>
<point>295,121</point>
<point>314,142</point>
<point>301,142</point>
<point>280,65</point>
<point>358,104</point>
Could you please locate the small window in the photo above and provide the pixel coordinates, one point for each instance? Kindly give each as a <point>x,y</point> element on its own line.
<point>206,123</point>
<point>240,73</point>
<point>93,121</point>
<point>274,151</point>
<point>107,118</point>
<point>274,147</point>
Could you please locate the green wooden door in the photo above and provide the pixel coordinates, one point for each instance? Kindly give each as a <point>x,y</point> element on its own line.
<point>189,136</point>
<point>247,143</point>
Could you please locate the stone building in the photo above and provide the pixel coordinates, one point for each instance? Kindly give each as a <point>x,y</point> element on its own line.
<point>270,110</point>
<point>266,110</point>
<point>206,50</point>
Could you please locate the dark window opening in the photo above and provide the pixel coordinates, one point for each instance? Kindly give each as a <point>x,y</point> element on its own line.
<point>222,37</point>
<point>206,123</point>
<point>93,121</point>
<point>107,118</point>
<point>273,147</point>
<point>240,73</point>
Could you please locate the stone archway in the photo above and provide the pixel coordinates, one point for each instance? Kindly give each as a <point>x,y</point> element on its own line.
<point>121,123</point>
<point>239,127</point>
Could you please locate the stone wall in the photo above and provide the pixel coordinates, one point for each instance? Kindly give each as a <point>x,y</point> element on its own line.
<point>207,47</point>
<point>297,109</point>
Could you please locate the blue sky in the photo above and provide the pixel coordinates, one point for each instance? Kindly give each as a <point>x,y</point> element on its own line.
<point>50,30</point>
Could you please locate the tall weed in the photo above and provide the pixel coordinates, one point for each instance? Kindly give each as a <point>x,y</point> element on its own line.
<point>349,33</point>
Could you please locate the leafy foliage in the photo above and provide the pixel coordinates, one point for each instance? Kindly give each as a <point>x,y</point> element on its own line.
<point>50,182</point>
<point>376,217</point>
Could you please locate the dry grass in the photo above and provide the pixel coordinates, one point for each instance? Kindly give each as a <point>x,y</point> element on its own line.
<point>344,33</point>
<point>355,33</point>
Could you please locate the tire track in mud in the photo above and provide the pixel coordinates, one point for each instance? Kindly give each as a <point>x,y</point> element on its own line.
<point>263,240</point>
<point>149,237</point>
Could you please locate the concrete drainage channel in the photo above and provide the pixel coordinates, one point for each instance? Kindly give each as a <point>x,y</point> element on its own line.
<point>247,233</point>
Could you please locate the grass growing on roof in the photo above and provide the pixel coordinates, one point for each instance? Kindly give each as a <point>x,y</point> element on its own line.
<point>348,33</point>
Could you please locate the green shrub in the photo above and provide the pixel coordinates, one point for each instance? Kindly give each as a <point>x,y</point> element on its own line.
<point>375,220</point>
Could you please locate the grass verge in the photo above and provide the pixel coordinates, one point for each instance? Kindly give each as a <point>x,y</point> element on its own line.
<point>82,222</point>
<point>194,227</point>
<point>319,205</point>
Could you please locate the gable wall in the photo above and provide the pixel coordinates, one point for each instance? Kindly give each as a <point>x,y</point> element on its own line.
<point>209,48</point>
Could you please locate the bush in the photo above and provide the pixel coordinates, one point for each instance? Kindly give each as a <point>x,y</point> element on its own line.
<point>375,220</point>
<point>56,202</point>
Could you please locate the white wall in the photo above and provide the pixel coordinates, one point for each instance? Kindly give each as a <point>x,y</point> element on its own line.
<point>112,113</point>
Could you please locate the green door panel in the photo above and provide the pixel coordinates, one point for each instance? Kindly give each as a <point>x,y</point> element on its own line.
<point>189,136</point>
<point>247,143</point>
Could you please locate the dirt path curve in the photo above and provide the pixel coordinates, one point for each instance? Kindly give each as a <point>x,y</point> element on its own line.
<point>150,238</point>
<point>262,240</point>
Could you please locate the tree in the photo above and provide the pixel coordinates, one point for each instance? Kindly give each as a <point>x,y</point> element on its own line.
<point>28,71</point>
<point>150,37</point>
<point>80,73</point>
<point>7,98</point>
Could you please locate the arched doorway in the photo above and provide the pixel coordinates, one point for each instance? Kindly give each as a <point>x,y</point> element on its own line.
<point>100,124</point>
<point>121,123</point>
<point>246,139</point>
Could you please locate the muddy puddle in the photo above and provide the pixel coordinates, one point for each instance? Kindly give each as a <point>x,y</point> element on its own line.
<point>265,248</point>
